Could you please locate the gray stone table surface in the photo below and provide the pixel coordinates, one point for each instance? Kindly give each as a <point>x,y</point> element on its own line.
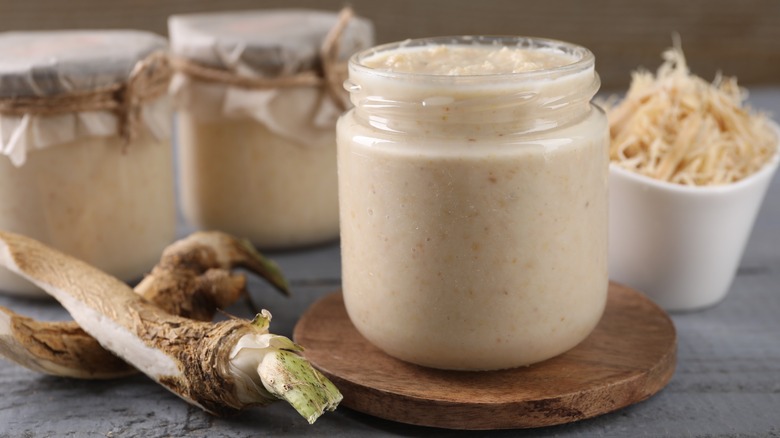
<point>727,381</point>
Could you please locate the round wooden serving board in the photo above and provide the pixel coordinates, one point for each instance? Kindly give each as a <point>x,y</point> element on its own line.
<point>628,357</point>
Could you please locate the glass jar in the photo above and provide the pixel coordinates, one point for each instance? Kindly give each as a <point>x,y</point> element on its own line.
<point>474,200</point>
<point>256,121</point>
<point>86,164</point>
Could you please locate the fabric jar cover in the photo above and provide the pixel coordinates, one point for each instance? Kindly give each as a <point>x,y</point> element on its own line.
<point>55,70</point>
<point>263,45</point>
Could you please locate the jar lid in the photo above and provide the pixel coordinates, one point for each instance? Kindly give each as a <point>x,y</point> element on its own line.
<point>267,43</point>
<point>47,63</point>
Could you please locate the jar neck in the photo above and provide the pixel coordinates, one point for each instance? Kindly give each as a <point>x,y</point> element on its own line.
<point>504,104</point>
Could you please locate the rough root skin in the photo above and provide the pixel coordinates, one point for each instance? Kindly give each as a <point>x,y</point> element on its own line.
<point>190,358</point>
<point>203,351</point>
<point>191,280</point>
<point>61,349</point>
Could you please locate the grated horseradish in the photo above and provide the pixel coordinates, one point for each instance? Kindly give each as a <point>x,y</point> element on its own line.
<point>677,127</point>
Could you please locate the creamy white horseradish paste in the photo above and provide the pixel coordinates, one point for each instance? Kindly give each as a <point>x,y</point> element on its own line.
<point>473,202</point>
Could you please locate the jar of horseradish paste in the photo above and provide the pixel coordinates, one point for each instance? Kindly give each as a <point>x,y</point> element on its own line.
<point>473,190</point>
<point>258,94</point>
<point>86,163</point>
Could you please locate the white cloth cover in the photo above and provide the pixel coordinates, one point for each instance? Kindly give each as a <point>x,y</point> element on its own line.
<point>262,44</point>
<point>58,62</point>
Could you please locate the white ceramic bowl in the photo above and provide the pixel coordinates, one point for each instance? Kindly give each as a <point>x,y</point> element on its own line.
<point>681,245</point>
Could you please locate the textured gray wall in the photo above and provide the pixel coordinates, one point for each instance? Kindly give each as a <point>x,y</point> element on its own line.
<point>740,38</point>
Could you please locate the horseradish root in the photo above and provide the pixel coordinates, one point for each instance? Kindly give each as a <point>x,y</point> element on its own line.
<point>57,348</point>
<point>192,279</point>
<point>219,367</point>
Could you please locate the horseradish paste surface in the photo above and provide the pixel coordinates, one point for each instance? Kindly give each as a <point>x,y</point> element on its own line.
<point>473,203</point>
<point>465,60</point>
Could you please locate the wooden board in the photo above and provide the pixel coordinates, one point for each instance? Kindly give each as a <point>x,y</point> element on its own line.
<point>628,357</point>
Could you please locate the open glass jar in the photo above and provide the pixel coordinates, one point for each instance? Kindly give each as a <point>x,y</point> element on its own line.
<point>86,164</point>
<point>256,119</point>
<point>473,200</point>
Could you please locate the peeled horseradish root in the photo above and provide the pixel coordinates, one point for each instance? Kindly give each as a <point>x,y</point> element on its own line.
<point>220,367</point>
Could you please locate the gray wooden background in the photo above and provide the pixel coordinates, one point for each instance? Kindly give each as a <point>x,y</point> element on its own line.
<point>740,38</point>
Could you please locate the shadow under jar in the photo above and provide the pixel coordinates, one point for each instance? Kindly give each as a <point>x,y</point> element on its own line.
<point>473,200</point>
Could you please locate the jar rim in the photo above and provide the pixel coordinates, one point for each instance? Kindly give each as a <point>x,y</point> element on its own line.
<point>583,58</point>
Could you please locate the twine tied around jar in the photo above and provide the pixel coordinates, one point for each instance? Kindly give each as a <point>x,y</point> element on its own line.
<point>331,77</point>
<point>148,80</point>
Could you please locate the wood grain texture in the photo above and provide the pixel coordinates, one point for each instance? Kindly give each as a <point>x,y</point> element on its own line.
<point>738,38</point>
<point>629,357</point>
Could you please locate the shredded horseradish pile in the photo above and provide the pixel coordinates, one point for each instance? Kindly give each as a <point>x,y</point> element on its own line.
<point>679,128</point>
